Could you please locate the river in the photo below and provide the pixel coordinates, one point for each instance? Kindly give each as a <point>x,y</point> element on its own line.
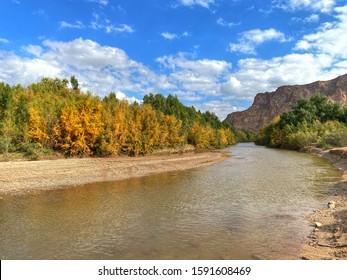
<point>251,206</point>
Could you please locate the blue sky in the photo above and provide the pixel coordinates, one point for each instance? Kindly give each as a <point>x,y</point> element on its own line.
<point>213,54</point>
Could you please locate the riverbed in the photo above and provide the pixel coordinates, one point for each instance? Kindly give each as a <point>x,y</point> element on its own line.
<point>250,206</point>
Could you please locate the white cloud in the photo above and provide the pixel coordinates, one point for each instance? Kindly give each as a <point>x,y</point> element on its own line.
<point>309,19</point>
<point>185,34</point>
<point>33,49</point>
<point>169,36</point>
<point>122,96</point>
<point>105,24</point>
<point>205,83</point>
<point>330,38</point>
<point>321,56</point>
<point>15,69</point>
<point>202,3</point>
<point>222,22</point>
<point>4,41</point>
<point>323,6</point>
<point>120,28</point>
<point>99,69</point>
<point>77,25</point>
<point>202,77</point>
<point>252,38</point>
<point>98,24</point>
<point>173,36</point>
<point>266,75</point>
<point>220,107</point>
<point>100,2</point>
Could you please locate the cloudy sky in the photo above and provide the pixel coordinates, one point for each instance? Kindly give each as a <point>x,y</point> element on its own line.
<point>213,54</point>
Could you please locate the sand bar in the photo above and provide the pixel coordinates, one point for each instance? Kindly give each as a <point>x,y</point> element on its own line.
<point>28,176</point>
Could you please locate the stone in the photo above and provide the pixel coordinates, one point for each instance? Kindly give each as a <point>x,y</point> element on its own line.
<point>268,105</point>
<point>318,224</point>
<point>331,204</point>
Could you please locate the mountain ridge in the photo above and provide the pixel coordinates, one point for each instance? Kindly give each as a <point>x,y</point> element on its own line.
<point>268,105</point>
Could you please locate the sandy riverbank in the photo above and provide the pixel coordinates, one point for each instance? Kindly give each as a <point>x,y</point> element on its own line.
<point>31,176</point>
<point>329,240</point>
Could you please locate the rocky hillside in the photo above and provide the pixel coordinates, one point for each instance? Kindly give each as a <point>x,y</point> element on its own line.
<point>268,105</point>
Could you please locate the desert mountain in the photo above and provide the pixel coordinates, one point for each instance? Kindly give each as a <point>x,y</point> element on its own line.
<point>268,105</point>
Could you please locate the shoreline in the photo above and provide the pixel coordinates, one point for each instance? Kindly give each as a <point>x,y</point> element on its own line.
<point>328,238</point>
<point>32,176</point>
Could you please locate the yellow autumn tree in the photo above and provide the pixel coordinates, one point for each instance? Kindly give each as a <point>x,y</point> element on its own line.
<point>150,130</point>
<point>200,136</point>
<point>171,132</point>
<point>116,114</point>
<point>37,128</point>
<point>78,128</point>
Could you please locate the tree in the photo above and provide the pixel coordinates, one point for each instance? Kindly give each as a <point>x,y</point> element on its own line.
<point>74,82</point>
<point>5,99</point>
<point>78,128</point>
<point>7,132</point>
<point>37,128</point>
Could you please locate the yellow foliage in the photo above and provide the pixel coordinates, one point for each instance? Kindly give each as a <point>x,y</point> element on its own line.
<point>200,136</point>
<point>171,132</point>
<point>78,128</point>
<point>275,120</point>
<point>37,128</point>
<point>115,119</point>
<point>150,128</point>
<point>276,137</point>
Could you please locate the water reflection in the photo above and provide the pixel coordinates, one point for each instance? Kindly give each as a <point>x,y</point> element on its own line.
<point>253,205</point>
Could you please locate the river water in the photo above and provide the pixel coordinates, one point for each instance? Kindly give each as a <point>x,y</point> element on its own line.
<point>251,206</point>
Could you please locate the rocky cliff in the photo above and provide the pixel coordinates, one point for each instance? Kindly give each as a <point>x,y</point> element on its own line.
<point>268,105</point>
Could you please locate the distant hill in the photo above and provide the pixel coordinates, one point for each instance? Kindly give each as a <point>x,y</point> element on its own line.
<point>268,105</point>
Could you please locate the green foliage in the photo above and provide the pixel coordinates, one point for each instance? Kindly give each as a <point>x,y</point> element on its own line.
<point>203,130</point>
<point>316,121</point>
<point>5,99</point>
<point>74,82</point>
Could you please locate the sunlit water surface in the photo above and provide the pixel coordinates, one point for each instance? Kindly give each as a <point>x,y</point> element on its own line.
<point>253,205</point>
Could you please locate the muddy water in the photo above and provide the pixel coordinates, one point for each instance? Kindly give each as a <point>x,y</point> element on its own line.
<point>253,205</point>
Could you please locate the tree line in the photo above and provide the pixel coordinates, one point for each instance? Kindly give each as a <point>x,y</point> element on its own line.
<point>313,122</point>
<point>54,115</point>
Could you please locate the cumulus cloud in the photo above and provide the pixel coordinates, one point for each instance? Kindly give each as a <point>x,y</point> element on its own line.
<point>221,107</point>
<point>193,74</point>
<point>267,75</point>
<point>196,80</point>
<point>248,40</point>
<point>207,84</point>
<point>323,6</point>
<point>99,69</point>
<point>330,38</point>
<point>16,69</point>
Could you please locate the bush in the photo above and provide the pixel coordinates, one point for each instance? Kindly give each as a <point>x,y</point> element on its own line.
<point>33,151</point>
<point>301,139</point>
<point>333,134</point>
